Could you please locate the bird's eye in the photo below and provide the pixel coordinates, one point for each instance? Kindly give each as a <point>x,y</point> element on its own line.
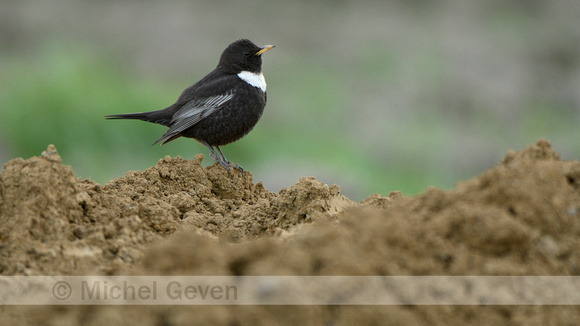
<point>247,53</point>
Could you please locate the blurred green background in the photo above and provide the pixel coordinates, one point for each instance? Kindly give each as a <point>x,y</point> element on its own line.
<point>374,96</point>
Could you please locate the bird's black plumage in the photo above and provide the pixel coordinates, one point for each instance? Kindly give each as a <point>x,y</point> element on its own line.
<point>222,107</point>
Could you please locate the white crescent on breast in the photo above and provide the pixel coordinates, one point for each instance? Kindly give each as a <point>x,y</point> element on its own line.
<point>254,79</point>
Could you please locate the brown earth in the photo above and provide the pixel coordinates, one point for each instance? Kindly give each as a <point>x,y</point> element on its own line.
<point>178,218</point>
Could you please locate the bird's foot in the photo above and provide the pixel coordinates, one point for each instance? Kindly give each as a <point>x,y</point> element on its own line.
<point>215,157</point>
<point>222,159</point>
<point>227,165</point>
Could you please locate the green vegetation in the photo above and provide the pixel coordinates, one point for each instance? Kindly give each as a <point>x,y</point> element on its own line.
<point>61,95</point>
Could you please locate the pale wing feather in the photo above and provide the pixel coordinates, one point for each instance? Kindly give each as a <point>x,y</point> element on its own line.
<point>195,111</point>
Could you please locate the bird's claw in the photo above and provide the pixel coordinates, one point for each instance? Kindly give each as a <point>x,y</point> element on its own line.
<point>222,159</point>
<point>227,165</point>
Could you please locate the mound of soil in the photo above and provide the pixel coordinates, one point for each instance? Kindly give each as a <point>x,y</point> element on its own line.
<point>178,218</point>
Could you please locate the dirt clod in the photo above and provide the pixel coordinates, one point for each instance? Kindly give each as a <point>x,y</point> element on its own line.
<point>178,218</point>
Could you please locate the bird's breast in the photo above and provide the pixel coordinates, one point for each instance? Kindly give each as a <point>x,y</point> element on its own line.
<point>254,79</point>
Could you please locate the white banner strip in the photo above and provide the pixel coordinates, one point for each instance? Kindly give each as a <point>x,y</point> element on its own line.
<point>289,290</point>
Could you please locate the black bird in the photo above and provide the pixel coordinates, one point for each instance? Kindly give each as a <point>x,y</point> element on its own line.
<point>222,107</point>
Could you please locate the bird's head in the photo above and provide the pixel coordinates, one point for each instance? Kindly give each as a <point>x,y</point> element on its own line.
<point>243,55</point>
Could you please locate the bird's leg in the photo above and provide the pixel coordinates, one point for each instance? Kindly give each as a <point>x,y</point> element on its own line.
<point>222,154</point>
<point>222,160</point>
<point>234,165</point>
<point>212,153</point>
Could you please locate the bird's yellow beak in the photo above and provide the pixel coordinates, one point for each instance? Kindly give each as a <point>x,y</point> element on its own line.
<point>265,48</point>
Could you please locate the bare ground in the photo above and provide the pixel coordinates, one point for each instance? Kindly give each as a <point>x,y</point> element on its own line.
<point>178,218</point>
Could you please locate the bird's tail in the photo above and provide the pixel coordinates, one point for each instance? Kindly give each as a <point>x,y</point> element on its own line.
<point>153,116</point>
<point>159,117</point>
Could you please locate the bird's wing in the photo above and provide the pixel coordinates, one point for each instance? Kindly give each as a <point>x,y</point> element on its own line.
<point>197,109</point>
<point>204,101</point>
